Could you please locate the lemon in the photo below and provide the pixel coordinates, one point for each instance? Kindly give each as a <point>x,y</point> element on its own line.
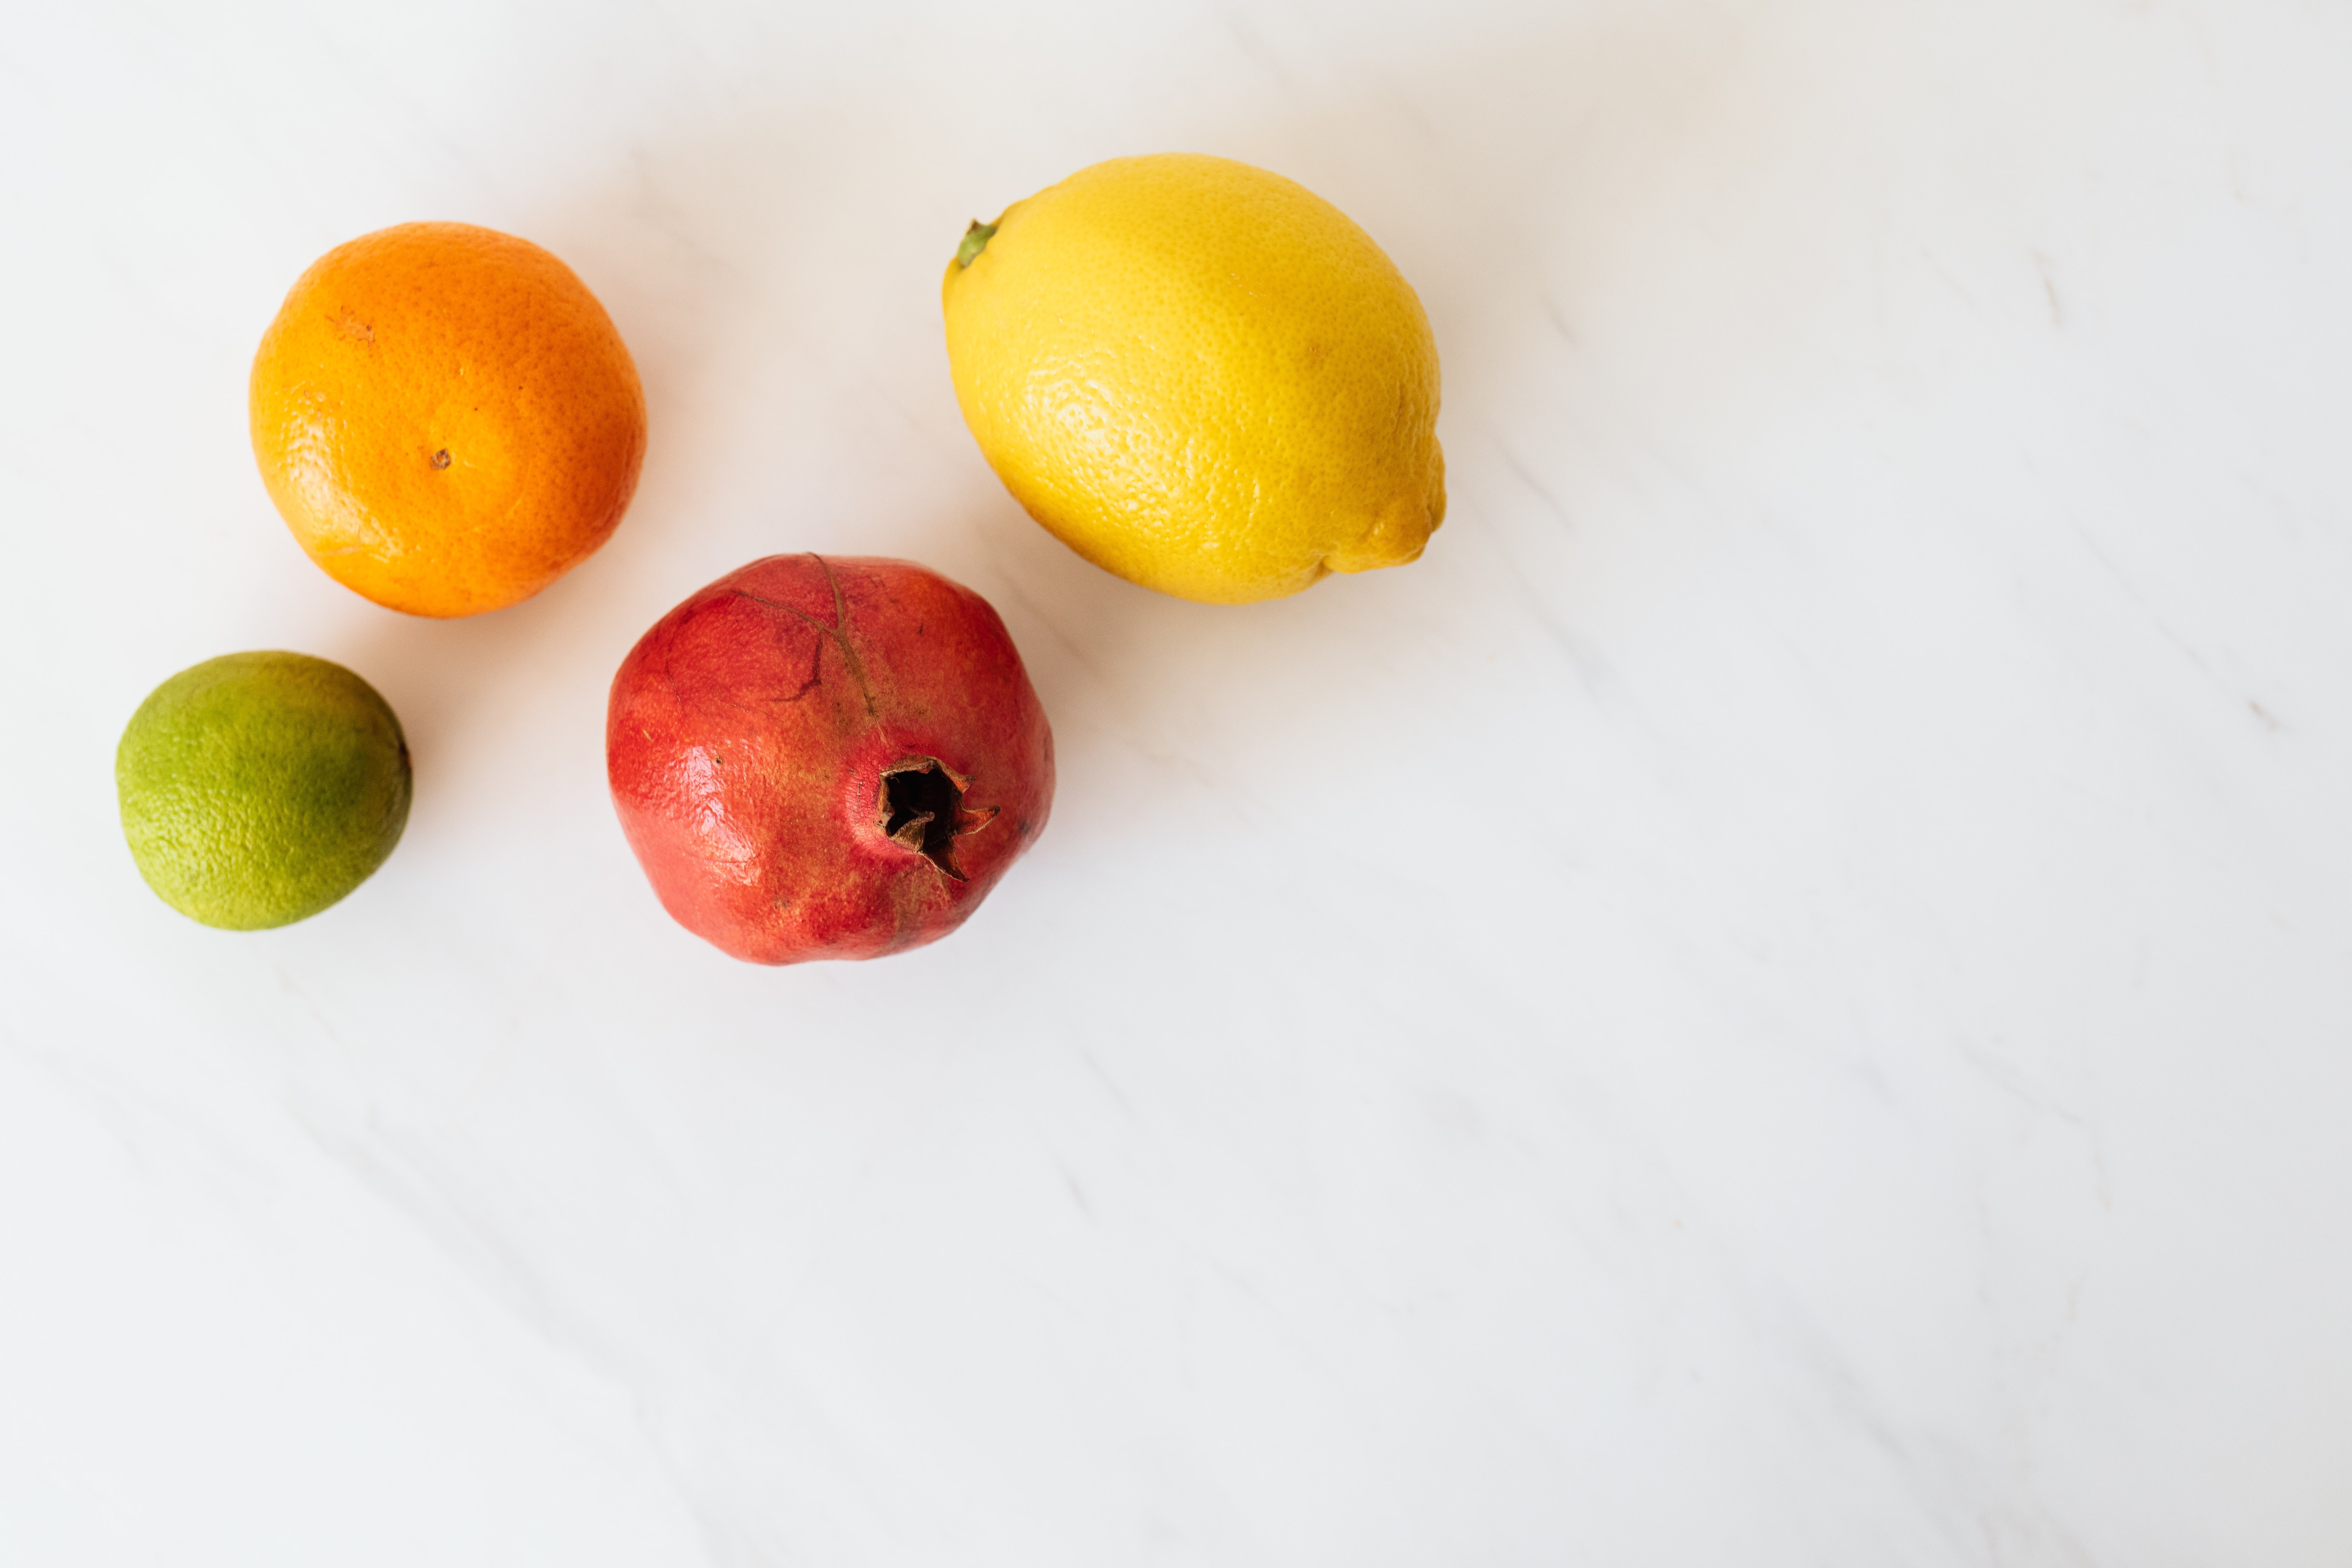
<point>258,788</point>
<point>1201,376</point>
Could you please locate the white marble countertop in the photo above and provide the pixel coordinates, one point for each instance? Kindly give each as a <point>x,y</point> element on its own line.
<point>1784,997</point>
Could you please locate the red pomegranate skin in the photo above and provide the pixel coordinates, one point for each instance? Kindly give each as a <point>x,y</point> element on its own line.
<point>827,757</point>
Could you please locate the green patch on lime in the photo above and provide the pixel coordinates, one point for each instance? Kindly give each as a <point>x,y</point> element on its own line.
<point>258,788</point>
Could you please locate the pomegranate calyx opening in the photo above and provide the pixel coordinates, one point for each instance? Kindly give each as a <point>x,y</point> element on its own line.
<point>921,808</point>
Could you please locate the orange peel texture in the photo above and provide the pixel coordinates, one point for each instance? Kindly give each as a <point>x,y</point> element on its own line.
<point>446,417</point>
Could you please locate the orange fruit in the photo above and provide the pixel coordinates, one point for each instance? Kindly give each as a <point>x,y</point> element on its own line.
<point>447,418</point>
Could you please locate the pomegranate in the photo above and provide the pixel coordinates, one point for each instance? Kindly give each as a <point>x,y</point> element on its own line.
<point>826,757</point>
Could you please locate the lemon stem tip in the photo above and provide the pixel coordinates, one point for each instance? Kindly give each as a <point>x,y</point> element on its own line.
<point>975,240</point>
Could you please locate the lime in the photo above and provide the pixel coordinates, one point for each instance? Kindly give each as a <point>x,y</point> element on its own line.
<point>258,788</point>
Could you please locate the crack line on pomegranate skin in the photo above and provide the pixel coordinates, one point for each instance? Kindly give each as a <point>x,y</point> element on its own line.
<point>848,654</point>
<point>841,634</point>
<point>815,675</point>
<point>816,672</point>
